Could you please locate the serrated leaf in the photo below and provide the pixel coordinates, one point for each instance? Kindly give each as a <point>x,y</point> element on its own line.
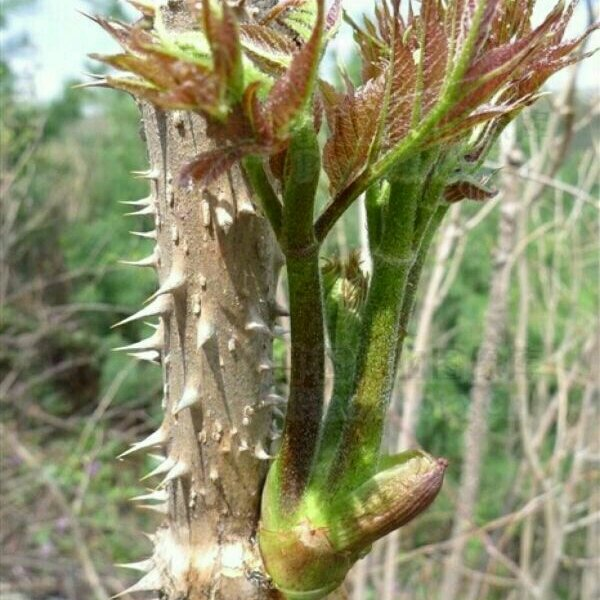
<point>209,166</point>
<point>353,123</point>
<point>271,50</point>
<point>402,94</point>
<point>136,87</point>
<point>150,70</point>
<point>255,113</point>
<point>291,92</point>
<point>468,188</point>
<point>434,54</point>
<point>223,37</point>
<point>302,17</point>
<point>120,32</point>
<point>464,126</point>
<point>280,8</point>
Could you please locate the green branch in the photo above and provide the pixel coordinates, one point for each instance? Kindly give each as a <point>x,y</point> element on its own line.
<point>358,452</point>
<point>269,202</point>
<point>414,276</point>
<point>306,391</point>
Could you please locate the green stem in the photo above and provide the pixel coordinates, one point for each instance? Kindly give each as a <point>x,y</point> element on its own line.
<point>414,276</point>
<point>338,206</point>
<point>376,199</point>
<point>306,390</point>
<point>358,452</point>
<point>343,356</point>
<point>270,204</point>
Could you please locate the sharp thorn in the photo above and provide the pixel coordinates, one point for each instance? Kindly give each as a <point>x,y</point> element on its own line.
<point>224,219</point>
<point>99,83</point>
<point>278,412</point>
<point>143,566</point>
<point>151,174</point>
<point>149,235</point>
<point>149,583</point>
<point>164,467</point>
<point>190,397</point>
<point>256,324</point>
<point>280,311</point>
<point>148,261</point>
<point>147,201</point>
<point>159,307</point>
<point>261,453</point>
<point>155,496</point>
<point>172,284</point>
<point>274,400</point>
<point>147,210</point>
<point>158,438</point>
<point>162,509</point>
<point>180,470</point>
<point>265,365</point>
<point>96,76</point>
<point>144,6</point>
<point>151,356</point>
<point>154,342</point>
<point>246,208</point>
<point>206,332</point>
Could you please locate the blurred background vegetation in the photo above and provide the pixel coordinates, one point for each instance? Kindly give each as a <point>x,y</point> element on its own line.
<point>69,404</point>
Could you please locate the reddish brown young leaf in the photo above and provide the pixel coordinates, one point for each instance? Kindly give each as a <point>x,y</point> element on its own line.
<point>224,40</point>
<point>373,42</point>
<point>512,19</point>
<point>456,129</point>
<point>150,70</point>
<point>353,122</point>
<point>120,32</point>
<point>435,53</point>
<point>280,8</point>
<point>208,166</point>
<point>331,99</point>
<point>546,63</point>
<point>402,98</point>
<point>270,50</point>
<point>254,111</point>
<point>291,92</point>
<point>468,189</point>
<point>495,68</point>
<point>135,87</point>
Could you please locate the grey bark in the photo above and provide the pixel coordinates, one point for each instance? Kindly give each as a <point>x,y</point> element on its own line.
<point>217,267</point>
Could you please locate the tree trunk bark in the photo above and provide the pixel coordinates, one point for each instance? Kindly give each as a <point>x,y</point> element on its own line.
<point>217,265</point>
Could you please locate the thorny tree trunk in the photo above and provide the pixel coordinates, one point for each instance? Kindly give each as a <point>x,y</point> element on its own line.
<point>217,267</point>
<point>475,435</point>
